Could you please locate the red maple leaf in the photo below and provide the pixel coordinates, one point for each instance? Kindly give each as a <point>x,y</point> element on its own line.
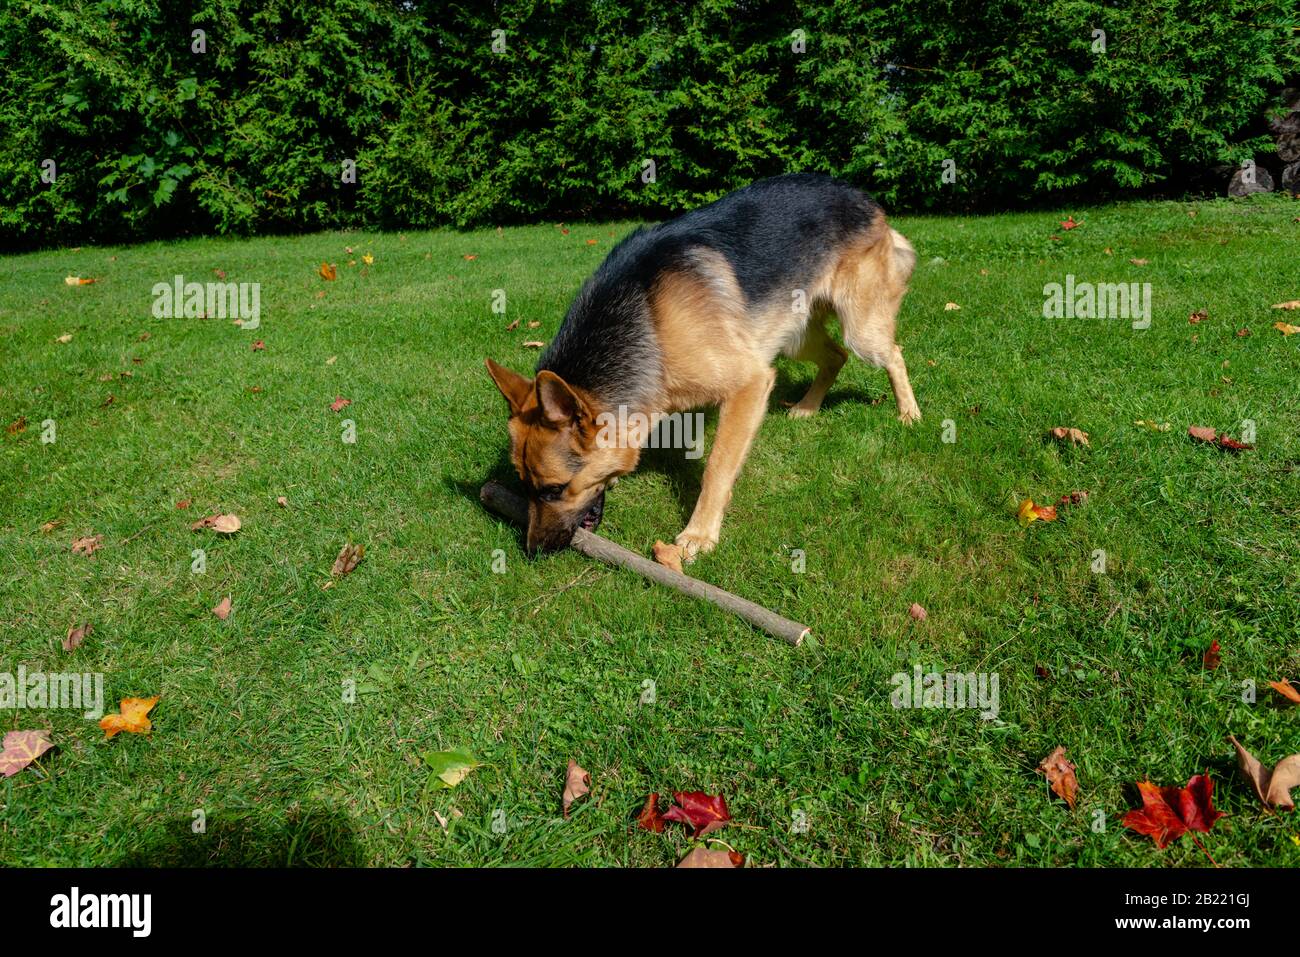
<point>1168,812</point>
<point>650,819</point>
<point>703,812</point>
<point>1069,223</point>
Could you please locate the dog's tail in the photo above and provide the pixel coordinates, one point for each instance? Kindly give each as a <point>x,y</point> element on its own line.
<point>904,255</point>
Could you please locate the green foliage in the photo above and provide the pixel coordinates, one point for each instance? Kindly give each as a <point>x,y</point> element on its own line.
<point>558,119</point>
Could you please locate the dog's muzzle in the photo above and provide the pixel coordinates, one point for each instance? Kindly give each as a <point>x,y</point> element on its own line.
<point>591,518</point>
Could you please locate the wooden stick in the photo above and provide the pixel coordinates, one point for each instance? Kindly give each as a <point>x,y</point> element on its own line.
<point>507,504</point>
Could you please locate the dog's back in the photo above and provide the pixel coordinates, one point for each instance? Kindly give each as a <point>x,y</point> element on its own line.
<point>746,273</point>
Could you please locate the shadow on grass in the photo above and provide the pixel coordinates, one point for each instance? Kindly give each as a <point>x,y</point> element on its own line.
<point>312,837</point>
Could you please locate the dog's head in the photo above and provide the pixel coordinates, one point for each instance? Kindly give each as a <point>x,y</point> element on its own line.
<point>562,453</point>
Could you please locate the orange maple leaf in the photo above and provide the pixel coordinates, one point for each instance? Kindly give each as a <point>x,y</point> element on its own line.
<point>134,717</point>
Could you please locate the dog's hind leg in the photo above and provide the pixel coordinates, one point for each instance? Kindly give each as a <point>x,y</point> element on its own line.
<point>739,416</point>
<point>820,348</point>
<point>867,290</point>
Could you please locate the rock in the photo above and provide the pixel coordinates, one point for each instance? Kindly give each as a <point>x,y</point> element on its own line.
<point>1261,181</point>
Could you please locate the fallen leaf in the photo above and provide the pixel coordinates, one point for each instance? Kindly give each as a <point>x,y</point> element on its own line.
<point>368,259</point>
<point>76,635</point>
<point>1153,426</point>
<point>1272,787</point>
<point>1069,222</point>
<point>670,556</point>
<point>1203,433</point>
<point>134,717</point>
<point>282,502</point>
<point>1286,690</point>
<point>917,612</point>
<point>1200,315</point>
<point>1075,436</point>
<point>705,813</point>
<point>703,857</point>
<point>107,402</point>
<point>51,526</point>
<point>1168,812</point>
<point>65,338</point>
<point>1210,660</point>
<point>1284,327</point>
<point>450,767</point>
<point>469,257</point>
<point>78,281</point>
<point>513,326</point>
<point>1289,304</point>
<point>21,748</point>
<point>87,546</point>
<point>328,272</point>
<point>1243,333</point>
<point>577,782</point>
<point>534,324</point>
<point>331,360</point>
<point>18,425</point>
<point>183,503</point>
<point>339,404</point>
<point>349,557</point>
<point>1139,262</point>
<point>442,821</point>
<point>222,609</point>
<point>258,346</point>
<point>592,242</point>
<point>1073,498</point>
<point>650,819</point>
<point>223,524</point>
<point>1030,512</point>
<point>533,345</point>
<point>951,307</point>
<point>1058,770</point>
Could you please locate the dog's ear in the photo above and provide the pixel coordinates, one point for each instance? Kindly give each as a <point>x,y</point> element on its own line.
<point>513,386</point>
<point>559,403</point>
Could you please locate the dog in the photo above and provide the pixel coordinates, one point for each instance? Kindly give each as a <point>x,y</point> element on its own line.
<point>693,312</point>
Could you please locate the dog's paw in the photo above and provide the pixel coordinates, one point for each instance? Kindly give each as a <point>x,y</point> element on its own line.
<point>694,544</point>
<point>801,411</point>
<point>909,416</point>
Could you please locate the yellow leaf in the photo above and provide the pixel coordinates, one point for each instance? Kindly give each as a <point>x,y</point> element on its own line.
<point>1286,328</point>
<point>134,717</point>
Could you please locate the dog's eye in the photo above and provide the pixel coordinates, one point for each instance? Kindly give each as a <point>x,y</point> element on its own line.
<point>550,493</point>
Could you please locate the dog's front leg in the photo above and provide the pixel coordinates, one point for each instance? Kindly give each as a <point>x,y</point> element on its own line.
<point>739,417</point>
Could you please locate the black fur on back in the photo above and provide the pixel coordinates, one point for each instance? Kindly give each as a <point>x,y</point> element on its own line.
<point>776,234</point>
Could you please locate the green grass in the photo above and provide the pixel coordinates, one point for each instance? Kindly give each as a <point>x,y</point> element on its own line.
<point>547,662</point>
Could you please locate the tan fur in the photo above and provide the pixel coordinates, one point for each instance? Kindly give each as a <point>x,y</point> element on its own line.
<point>730,366</point>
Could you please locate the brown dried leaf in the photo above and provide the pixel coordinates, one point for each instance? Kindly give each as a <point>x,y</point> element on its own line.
<point>1075,436</point>
<point>577,782</point>
<point>349,558</point>
<point>703,857</point>
<point>222,609</point>
<point>1272,787</point>
<point>87,546</point>
<point>1058,770</point>
<point>917,612</point>
<point>76,635</point>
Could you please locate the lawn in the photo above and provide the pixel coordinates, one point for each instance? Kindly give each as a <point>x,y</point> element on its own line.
<point>551,659</point>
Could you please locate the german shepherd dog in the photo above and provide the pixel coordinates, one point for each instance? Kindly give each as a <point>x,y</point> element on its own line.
<point>692,313</point>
